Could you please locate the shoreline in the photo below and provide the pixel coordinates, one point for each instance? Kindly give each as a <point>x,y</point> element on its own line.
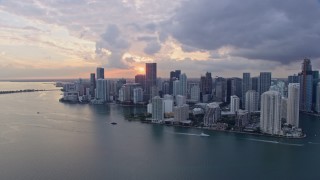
<point>228,131</point>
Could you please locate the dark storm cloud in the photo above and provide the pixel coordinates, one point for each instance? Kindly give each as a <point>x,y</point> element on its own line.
<point>274,30</point>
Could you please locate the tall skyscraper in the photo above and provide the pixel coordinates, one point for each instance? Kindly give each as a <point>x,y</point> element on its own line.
<point>176,88</point>
<point>255,83</point>
<point>151,77</point>
<point>183,84</point>
<point>293,104</point>
<point>92,85</point>
<point>220,89</point>
<point>100,73</point>
<point>318,98</point>
<point>141,79</point>
<point>102,90</point>
<point>174,75</point>
<point>206,84</point>
<point>270,118</point>
<point>306,83</point>
<point>252,101</point>
<point>235,103</point>
<point>246,86</point>
<point>157,109</point>
<point>264,82</point>
<point>315,79</point>
<point>195,93</point>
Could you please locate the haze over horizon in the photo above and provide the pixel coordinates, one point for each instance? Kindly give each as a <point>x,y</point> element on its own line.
<point>70,38</point>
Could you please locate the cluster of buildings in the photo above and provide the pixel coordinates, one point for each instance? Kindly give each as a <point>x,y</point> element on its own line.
<point>276,102</point>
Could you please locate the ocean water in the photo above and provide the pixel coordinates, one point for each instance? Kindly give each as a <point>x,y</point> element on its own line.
<point>73,141</point>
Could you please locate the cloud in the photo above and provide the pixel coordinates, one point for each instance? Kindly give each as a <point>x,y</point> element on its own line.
<point>270,30</point>
<point>152,47</point>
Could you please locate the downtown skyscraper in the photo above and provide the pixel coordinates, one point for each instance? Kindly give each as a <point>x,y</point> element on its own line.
<point>151,78</point>
<point>306,86</point>
<point>270,118</point>
<point>293,104</point>
<point>100,73</point>
<point>264,82</point>
<point>246,86</point>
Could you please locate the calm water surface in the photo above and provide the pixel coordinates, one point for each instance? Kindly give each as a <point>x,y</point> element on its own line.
<point>78,142</point>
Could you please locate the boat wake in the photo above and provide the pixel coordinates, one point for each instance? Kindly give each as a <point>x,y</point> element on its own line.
<point>274,142</point>
<point>314,143</point>
<point>190,134</point>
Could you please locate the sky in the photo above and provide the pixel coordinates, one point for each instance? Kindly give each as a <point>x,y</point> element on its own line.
<point>41,39</point>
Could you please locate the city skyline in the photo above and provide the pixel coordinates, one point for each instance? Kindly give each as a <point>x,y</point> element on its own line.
<point>55,39</point>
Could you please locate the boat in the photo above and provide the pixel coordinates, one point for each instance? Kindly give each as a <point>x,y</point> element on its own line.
<point>204,135</point>
<point>113,123</point>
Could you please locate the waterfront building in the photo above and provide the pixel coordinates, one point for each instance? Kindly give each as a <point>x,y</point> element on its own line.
<point>102,90</point>
<point>306,83</point>
<point>318,98</point>
<point>235,103</point>
<point>92,85</point>
<point>195,93</point>
<point>293,104</point>
<point>151,78</point>
<point>246,86</point>
<point>264,82</point>
<point>180,100</point>
<point>149,108</point>
<point>252,101</point>
<point>242,118</point>
<point>137,95</point>
<point>284,108</point>
<point>315,78</point>
<point>157,109</point>
<point>141,79</point>
<point>127,93</point>
<point>270,117</point>
<point>181,113</point>
<point>154,91</point>
<point>168,105</point>
<point>100,73</point>
<point>212,115</point>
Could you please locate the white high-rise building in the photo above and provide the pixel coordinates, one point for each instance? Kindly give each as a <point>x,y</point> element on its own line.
<point>318,98</point>
<point>102,90</point>
<point>284,108</point>
<point>212,115</point>
<point>181,113</point>
<point>293,104</point>
<point>137,95</point>
<point>180,100</point>
<point>157,109</point>
<point>168,105</point>
<point>252,101</point>
<point>270,117</point>
<point>234,103</point>
<point>183,84</point>
<point>195,93</point>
